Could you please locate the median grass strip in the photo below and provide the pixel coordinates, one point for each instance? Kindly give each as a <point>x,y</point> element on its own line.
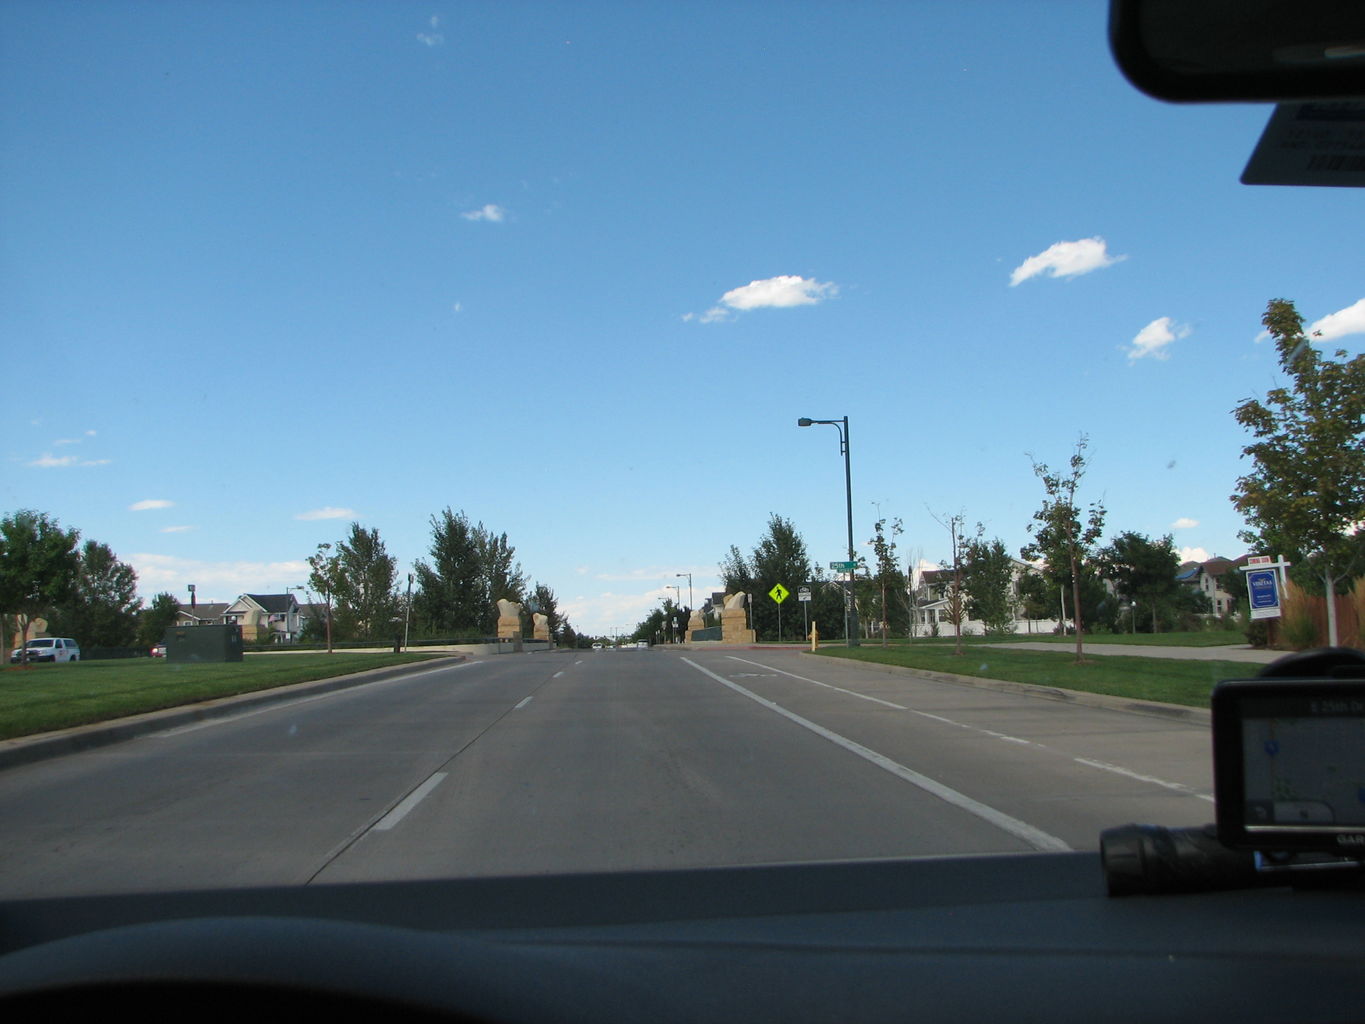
<point>44,698</point>
<point>1172,681</point>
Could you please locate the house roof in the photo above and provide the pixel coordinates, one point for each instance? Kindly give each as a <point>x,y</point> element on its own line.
<point>207,610</point>
<point>276,603</point>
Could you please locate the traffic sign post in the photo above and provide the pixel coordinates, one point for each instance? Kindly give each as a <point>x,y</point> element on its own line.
<point>779,593</point>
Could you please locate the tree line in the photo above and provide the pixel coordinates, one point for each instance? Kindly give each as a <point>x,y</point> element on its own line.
<point>84,591</point>
<point>1304,498</point>
<point>452,593</point>
<point>81,590</point>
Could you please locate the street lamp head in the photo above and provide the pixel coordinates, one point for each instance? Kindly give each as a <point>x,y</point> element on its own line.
<point>804,421</point>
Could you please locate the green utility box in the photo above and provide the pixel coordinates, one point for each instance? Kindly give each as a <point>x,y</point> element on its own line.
<point>204,643</point>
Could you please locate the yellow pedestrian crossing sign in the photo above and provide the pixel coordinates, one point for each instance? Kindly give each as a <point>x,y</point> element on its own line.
<point>779,593</point>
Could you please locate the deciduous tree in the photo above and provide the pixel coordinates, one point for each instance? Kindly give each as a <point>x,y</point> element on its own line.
<point>1060,536</point>
<point>101,609</point>
<point>325,579</point>
<point>987,581</point>
<point>156,618</point>
<point>38,565</point>
<point>1305,495</point>
<point>367,599</point>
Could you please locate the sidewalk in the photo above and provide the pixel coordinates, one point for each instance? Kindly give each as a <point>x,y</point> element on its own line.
<point>1232,652</point>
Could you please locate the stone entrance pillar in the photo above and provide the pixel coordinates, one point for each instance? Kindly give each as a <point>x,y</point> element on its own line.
<point>733,629</point>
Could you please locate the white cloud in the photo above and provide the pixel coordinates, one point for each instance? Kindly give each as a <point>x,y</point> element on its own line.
<point>214,581</point>
<point>1066,259</point>
<point>432,38</point>
<point>176,529</point>
<point>1193,555</point>
<point>1350,320</point>
<point>149,503</point>
<point>490,212</point>
<point>781,292</point>
<point>49,461</point>
<point>1153,339</point>
<point>1184,523</point>
<point>328,513</point>
<point>610,612</point>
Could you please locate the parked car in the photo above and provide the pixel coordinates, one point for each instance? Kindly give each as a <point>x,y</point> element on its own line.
<point>159,651</point>
<point>48,648</point>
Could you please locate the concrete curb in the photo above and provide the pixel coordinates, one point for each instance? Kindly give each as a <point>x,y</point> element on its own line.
<point>30,749</point>
<point>1152,708</point>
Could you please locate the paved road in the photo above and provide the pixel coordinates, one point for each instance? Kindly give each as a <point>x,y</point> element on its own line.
<point>595,761</point>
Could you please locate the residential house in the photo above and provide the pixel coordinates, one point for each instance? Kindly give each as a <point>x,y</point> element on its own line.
<point>266,618</point>
<point>209,613</point>
<point>932,603</point>
<point>1208,578</point>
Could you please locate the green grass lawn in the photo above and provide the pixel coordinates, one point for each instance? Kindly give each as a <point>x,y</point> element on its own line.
<point>1170,680</point>
<point>1201,638</point>
<point>43,698</point>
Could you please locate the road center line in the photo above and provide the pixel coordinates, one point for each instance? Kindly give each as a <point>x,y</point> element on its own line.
<point>409,802</point>
<point>1035,837</point>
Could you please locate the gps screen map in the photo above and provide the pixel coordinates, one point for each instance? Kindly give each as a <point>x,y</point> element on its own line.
<point>1304,763</point>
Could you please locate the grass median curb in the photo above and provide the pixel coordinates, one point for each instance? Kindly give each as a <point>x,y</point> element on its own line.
<point>1086,698</point>
<point>22,750</point>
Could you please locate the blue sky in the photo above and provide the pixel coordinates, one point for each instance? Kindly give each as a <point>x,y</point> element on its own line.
<point>577,269</point>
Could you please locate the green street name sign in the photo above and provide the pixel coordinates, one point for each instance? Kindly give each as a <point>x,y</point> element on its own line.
<point>843,566</point>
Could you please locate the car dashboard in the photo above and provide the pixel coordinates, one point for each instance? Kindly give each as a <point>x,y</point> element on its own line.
<point>1031,937</point>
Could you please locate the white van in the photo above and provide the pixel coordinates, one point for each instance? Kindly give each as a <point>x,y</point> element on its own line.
<point>48,648</point>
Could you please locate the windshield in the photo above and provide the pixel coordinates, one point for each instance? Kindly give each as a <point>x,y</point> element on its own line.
<point>371,316</point>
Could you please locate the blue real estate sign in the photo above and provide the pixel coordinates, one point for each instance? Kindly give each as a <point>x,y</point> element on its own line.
<point>1264,589</point>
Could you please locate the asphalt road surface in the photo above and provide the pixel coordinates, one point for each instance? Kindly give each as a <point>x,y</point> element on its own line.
<point>595,760</point>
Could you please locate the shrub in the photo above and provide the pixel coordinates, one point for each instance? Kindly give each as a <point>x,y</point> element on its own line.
<point>1298,625</point>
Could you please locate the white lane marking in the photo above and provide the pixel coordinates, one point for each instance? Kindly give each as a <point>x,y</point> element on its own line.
<point>899,707</point>
<point>1119,770</point>
<point>1099,765</point>
<point>285,705</point>
<point>524,702</point>
<point>828,686</point>
<point>1035,837</point>
<point>412,800</point>
<point>557,674</point>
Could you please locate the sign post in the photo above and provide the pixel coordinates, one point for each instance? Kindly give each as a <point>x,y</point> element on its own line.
<point>779,593</point>
<point>1265,583</point>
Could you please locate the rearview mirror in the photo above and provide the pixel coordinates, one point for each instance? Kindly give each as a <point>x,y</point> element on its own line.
<point>1240,50</point>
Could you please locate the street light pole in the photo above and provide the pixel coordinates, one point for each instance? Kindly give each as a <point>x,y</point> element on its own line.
<point>689,588</point>
<point>851,606</point>
<point>677,596</point>
<point>407,613</point>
